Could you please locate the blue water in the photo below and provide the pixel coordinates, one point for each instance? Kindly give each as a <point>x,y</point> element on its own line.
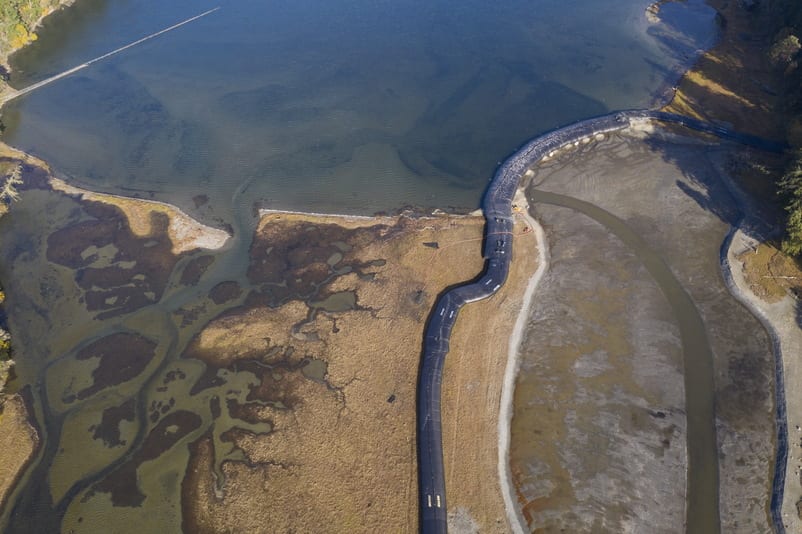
<point>349,106</point>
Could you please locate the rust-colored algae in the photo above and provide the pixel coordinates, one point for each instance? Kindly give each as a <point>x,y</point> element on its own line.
<point>194,269</point>
<point>118,271</point>
<point>108,429</point>
<point>225,292</point>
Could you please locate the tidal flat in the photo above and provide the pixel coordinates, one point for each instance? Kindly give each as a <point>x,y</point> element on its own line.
<point>608,401</point>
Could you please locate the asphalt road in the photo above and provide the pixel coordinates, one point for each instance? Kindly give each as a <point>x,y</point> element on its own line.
<point>497,251</point>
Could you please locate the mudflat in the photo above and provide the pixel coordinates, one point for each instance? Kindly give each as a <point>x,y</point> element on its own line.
<point>601,400</point>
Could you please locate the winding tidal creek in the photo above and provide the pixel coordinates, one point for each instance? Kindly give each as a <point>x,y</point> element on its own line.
<point>702,484</point>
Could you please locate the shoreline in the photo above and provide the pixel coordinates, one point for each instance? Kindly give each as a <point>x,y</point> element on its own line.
<point>4,59</point>
<point>667,91</point>
<point>265,211</point>
<point>22,437</point>
<point>186,232</point>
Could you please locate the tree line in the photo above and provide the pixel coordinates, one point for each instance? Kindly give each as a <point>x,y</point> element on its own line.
<point>785,54</point>
<point>18,20</point>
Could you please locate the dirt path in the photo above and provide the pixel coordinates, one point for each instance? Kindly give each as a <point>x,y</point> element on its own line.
<point>473,408</point>
<point>516,521</point>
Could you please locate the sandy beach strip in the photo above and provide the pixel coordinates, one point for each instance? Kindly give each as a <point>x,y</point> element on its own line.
<point>516,521</point>
<point>264,212</point>
<point>185,232</point>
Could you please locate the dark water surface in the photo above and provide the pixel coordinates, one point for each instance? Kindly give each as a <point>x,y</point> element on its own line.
<point>310,105</point>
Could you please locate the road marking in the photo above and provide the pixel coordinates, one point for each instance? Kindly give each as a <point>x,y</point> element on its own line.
<point>490,281</point>
<point>450,315</point>
<point>429,497</point>
<point>497,286</point>
<point>438,502</point>
<point>442,311</point>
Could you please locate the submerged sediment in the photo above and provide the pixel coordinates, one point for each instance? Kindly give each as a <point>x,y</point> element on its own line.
<point>185,233</point>
<point>86,261</point>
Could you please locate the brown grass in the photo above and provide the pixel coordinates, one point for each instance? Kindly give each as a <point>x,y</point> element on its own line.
<point>472,382</point>
<point>733,81</point>
<point>18,443</point>
<point>771,275</point>
<point>341,453</point>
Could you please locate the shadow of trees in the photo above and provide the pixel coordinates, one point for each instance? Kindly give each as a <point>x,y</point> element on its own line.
<point>717,189</point>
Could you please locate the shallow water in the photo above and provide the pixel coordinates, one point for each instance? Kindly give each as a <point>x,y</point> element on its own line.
<point>316,106</point>
<point>319,106</point>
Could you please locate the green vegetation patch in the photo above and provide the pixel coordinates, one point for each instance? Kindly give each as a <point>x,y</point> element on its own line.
<point>790,187</point>
<point>785,54</point>
<point>18,20</point>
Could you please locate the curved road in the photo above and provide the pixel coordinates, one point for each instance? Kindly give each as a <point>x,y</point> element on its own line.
<point>497,251</point>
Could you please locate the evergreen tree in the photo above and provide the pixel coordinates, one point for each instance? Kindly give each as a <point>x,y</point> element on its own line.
<point>790,187</point>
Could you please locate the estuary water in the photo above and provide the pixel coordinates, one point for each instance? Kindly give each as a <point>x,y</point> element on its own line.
<point>346,107</point>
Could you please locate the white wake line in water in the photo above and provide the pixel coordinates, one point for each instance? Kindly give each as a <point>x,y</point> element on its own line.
<point>15,94</point>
